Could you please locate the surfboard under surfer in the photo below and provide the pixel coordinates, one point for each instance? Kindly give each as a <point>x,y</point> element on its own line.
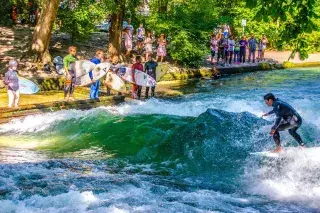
<point>287,119</point>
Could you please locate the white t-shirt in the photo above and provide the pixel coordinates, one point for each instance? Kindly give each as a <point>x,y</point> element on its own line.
<point>226,29</point>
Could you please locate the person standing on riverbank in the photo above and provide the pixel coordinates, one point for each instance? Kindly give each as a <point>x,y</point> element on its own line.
<point>162,51</point>
<point>243,48</point>
<point>136,89</point>
<point>226,50</point>
<point>12,83</point>
<point>130,26</point>
<point>150,68</point>
<point>128,41</point>
<point>70,74</point>
<point>148,45</point>
<point>140,38</point>
<point>259,58</point>
<point>220,48</point>
<point>94,87</point>
<point>213,47</point>
<point>252,48</point>
<point>264,42</point>
<point>236,51</point>
<point>231,44</point>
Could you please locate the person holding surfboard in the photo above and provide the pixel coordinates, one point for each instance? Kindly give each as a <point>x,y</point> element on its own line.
<point>94,87</point>
<point>12,83</point>
<point>136,89</point>
<point>115,68</point>
<point>150,68</point>
<point>287,119</point>
<point>70,75</point>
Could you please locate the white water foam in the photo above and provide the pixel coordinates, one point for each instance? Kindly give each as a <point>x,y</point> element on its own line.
<point>295,178</point>
<point>132,199</point>
<point>309,109</point>
<point>189,106</point>
<point>40,122</point>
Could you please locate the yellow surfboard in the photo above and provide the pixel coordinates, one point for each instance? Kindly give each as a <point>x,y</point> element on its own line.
<point>161,70</point>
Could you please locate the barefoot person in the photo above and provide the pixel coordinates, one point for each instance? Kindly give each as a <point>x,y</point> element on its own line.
<point>70,75</point>
<point>12,83</point>
<point>287,119</point>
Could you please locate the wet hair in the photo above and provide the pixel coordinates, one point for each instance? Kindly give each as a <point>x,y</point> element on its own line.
<point>269,96</point>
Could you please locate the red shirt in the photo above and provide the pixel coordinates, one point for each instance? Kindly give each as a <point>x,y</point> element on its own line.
<point>136,66</point>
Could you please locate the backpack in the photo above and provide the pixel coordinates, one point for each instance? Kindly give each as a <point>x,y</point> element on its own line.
<point>58,64</point>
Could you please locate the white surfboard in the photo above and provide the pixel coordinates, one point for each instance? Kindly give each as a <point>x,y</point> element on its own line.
<point>290,152</point>
<point>82,67</point>
<point>141,78</point>
<point>27,87</point>
<point>114,82</point>
<point>269,154</point>
<point>98,72</point>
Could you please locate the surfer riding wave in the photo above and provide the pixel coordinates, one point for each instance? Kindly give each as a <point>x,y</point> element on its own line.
<point>287,119</point>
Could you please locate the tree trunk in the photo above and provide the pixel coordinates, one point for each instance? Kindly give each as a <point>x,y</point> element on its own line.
<point>39,50</point>
<point>115,40</point>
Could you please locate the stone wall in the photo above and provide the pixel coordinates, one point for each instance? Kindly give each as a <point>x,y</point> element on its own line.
<point>7,114</point>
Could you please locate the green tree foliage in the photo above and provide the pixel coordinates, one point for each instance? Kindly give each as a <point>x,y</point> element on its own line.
<point>78,18</point>
<point>23,8</point>
<point>6,9</point>
<point>187,25</point>
<point>299,19</point>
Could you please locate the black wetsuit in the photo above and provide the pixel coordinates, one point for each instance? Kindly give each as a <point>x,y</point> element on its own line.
<point>150,68</point>
<point>287,119</point>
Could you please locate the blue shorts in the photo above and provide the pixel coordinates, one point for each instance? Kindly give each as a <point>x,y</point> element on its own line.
<point>213,53</point>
